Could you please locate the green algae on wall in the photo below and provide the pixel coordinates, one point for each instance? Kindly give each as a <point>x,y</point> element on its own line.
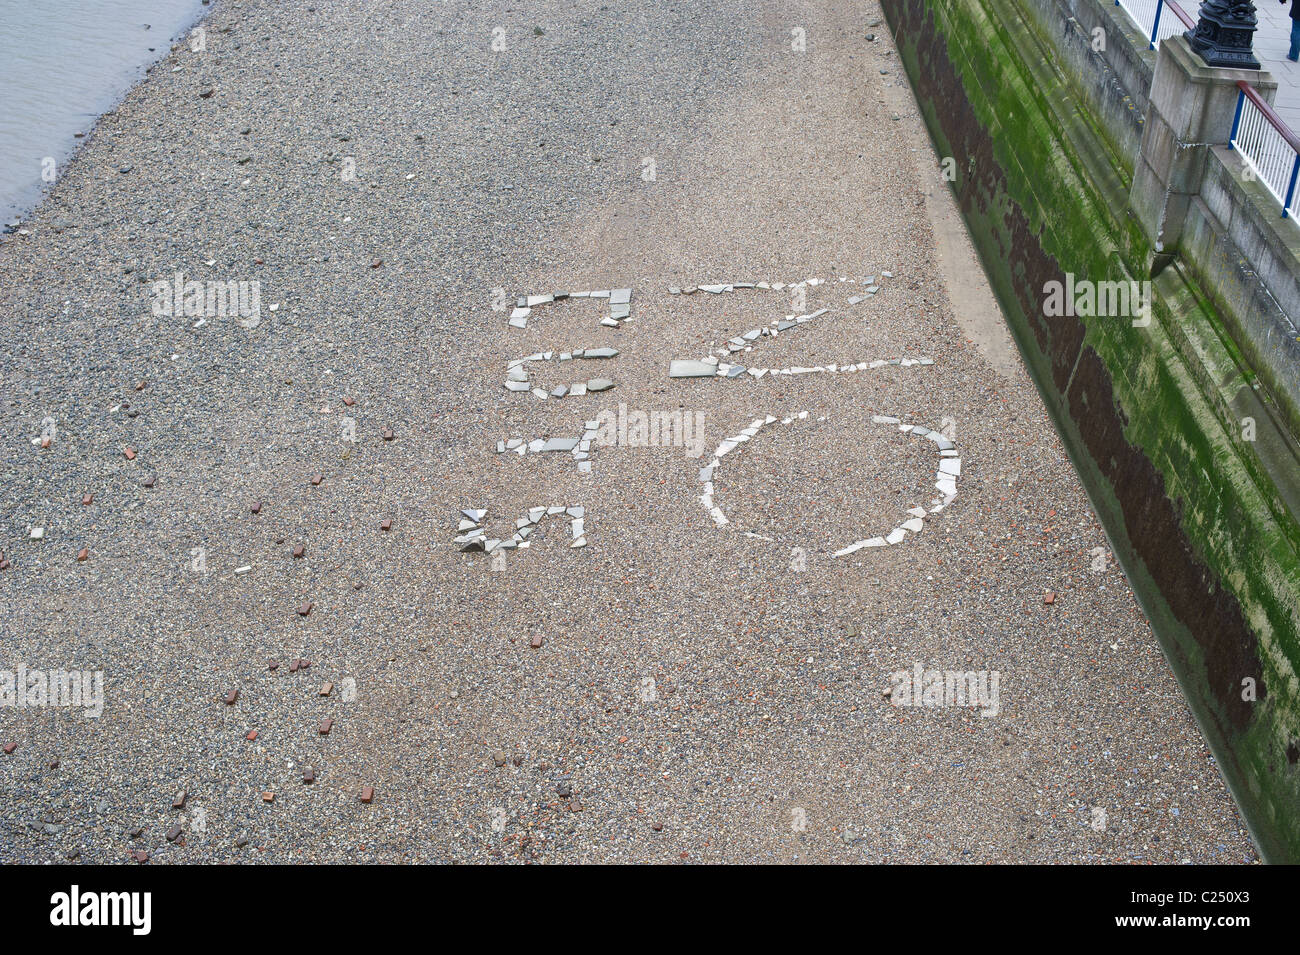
<point>1212,558</point>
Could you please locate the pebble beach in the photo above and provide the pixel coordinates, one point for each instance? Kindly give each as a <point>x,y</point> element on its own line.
<point>252,509</point>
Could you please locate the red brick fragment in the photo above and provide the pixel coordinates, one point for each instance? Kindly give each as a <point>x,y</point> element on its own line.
<point>256,508</point>
<point>386,525</point>
<point>305,609</point>
<point>140,856</point>
<point>83,554</point>
<point>299,550</point>
<point>316,479</point>
<point>231,697</point>
<point>387,434</point>
<point>9,748</point>
<point>349,400</point>
<point>173,833</point>
<point>367,793</point>
<point>87,500</point>
<point>130,453</point>
<point>150,481</point>
<point>252,735</point>
<point>308,776</point>
<point>536,641</point>
<point>325,727</point>
<point>268,797</point>
<point>179,801</point>
<point>1049,598</point>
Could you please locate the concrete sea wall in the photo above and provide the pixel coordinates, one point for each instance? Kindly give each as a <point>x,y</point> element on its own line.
<point>1197,503</point>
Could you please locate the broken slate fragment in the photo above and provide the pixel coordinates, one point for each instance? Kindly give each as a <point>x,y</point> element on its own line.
<point>691,369</point>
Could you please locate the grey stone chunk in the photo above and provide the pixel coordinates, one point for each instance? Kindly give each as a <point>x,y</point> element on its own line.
<point>599,384</point>
<point>475,515</point>
<point>619,311</point>
<point>599,353</point>
<point>679,368</point>
<point>559,391</point>
<point>560,444</point>
<point>735,370</point>
<point>620,296</point>
<point>517,385</point>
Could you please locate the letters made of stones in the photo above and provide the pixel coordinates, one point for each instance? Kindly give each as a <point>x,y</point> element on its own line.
<point>472,535</point>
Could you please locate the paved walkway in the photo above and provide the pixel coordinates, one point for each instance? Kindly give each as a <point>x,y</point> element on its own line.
<point>1271,44</point>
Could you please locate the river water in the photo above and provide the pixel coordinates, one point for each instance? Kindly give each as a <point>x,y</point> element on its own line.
<point>62,64</point>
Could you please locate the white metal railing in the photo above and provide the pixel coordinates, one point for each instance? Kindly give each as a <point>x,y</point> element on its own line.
<point>1158,19</point>
<point>1268,146</point>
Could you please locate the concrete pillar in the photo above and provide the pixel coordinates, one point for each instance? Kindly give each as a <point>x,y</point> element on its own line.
<point>1192,108</point>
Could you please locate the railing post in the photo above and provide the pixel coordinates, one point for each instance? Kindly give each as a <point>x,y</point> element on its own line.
<point>1236,120</point>
<point>1155,29</point>
<point>1290,190</point>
